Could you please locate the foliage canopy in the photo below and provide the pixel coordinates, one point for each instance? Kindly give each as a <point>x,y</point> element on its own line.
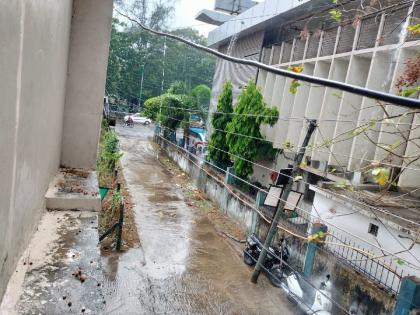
<point>219,122</point>
<point>244,129</point>
<point>134,52</point>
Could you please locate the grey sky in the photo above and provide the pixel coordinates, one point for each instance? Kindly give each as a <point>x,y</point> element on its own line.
<point>186,10</point>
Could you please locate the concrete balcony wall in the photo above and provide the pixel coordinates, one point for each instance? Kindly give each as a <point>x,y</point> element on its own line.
<point>91,29</point>
<point>410,176</point>
<point>285,111</point>
<point>329,110</point>
<point>262,74</point>
<point>315,97</point>
<point>276,101</point>
<point>262,77</point>
<point>267,131</point>
<point>363,54</point>
<point>349,111</point>
<point>395,132</point>
<point>37,72</point>
<point>34,41</point>
<point>371,53</point>
<point>363,150</point>
<point>276,54</point>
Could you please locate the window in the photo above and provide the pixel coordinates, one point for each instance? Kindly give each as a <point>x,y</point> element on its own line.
<point>373,229</point>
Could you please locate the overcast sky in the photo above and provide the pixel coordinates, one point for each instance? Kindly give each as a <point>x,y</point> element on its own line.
<point>185,12</point>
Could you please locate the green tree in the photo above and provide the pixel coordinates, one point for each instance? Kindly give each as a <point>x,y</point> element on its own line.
<point>178,88</point>
<point>219,122</point>
<point>134,52</point>
<point>201,95</point>
<point>244,129</point>
<point>173,113</point>
<point>151,107</point>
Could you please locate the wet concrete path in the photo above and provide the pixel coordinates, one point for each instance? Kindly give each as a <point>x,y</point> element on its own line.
<point>183,265</point>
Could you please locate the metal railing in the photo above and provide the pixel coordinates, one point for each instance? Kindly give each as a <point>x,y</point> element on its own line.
<point>382,271</point>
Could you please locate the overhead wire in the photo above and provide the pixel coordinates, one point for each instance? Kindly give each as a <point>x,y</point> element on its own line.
<point>289,203</point>
<point>380,120</point>
<point>250,205</point>
<point>313,148</point>
<point>262,215</point>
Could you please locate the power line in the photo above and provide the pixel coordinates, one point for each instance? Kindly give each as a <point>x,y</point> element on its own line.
<point>338,195</point>
<point>255,209</point>
<point>252,207</point>
<point>379,120</point>
<point>313,149</point>
<point>280,199</point>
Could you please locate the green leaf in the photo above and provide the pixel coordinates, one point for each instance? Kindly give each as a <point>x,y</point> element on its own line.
<point>409,92</point>
<point>392,146</point>
<point>336,14</point>
<point>293,86</point>
<point>287,145</point>
<point>343,184</point>
<point>337,94</point>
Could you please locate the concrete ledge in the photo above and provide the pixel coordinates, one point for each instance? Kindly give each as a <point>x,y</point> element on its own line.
<point>74,189</point>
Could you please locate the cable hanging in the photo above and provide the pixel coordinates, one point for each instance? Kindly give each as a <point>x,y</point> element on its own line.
<point>280,199</point>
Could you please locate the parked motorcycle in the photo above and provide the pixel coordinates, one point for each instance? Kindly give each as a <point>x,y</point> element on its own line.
<point>274,262</point>
<point>309,299</point>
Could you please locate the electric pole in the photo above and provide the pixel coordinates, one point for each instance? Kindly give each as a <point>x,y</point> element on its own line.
<point>141,85</point>
<point>280,209</point>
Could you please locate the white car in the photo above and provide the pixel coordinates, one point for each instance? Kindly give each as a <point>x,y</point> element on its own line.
<point>138,119</point>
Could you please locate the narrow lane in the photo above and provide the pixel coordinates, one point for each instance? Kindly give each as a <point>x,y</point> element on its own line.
<point>183,265</point>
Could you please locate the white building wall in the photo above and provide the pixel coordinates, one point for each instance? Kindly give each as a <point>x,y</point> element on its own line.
<point>340,217</point>
<point>34,51</point>
<point>88,59</point>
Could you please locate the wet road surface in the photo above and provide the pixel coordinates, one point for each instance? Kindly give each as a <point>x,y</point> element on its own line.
<point>183,266</point>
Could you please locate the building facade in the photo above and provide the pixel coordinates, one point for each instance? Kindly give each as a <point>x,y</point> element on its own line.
<point>367,48</point>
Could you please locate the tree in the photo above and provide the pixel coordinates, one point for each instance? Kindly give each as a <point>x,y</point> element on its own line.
<point>178,88</point>
<point>151,107</point>
<point>244,130</point>
<point>201,95</point>
<point>172,111</point>
<point>134,52</point>
<point>218,146</point>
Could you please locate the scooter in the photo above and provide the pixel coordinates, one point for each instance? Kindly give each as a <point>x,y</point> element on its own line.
<point>274,262</point>
<point>129,123</point>
<point>309,299</point>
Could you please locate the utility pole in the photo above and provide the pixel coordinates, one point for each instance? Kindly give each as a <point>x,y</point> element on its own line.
<point>141,84</point>
<point>163,74</point>
<point>280,208</point>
